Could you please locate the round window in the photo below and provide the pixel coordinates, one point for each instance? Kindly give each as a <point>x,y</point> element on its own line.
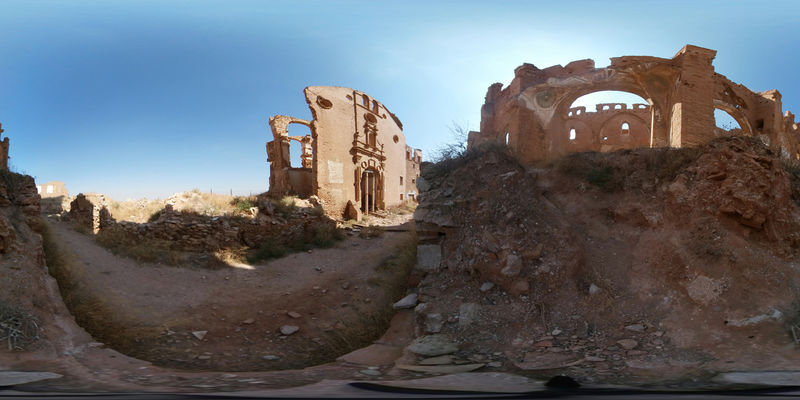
<point>396,139</point>
<point>323,102</point>
<point>371,118</point>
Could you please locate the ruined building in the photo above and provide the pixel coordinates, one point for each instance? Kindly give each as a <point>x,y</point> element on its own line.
<point>533,115</point>
<point>52,189</point>
<point>3,150</point>
<point>355,160</point>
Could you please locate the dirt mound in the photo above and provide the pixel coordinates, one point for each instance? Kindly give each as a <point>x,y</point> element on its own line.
<point>640,264</point>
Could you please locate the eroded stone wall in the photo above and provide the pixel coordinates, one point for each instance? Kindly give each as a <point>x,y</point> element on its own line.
<point>189,231</point>
<point>533,115</point>
<point>90,211</point>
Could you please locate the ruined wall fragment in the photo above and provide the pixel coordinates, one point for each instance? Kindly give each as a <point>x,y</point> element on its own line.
<point>533,115</point>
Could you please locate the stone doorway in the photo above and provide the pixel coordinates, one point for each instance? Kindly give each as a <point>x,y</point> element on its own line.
<point>371,191</point>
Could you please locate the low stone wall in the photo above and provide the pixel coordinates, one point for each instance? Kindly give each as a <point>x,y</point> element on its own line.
<point>188,231</point>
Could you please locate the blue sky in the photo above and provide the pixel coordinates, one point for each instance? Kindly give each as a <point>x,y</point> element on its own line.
<point>148,98</point>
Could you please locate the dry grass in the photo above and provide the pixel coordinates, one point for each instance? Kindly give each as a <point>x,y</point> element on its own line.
<point>135,210</point>
<point>628,169</point>
<point>210,204</point>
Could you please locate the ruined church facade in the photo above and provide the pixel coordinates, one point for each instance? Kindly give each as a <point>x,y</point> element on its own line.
<point>534,117</point>
<point>355,160</point>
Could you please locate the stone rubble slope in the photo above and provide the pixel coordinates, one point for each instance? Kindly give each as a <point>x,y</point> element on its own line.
<point>641,264</point>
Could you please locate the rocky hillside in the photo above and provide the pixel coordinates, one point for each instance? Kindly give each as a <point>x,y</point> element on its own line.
<point>34,323</point>
<point>647,264</point>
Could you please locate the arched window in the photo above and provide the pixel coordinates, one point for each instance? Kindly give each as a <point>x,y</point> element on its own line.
<point>508,138</point>
<point>626,128</point>
<point>573,134</point>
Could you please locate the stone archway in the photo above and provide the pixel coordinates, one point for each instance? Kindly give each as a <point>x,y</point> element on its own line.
<point>741,119</point>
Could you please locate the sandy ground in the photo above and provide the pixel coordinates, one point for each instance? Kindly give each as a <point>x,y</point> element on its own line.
<point>157,313</point>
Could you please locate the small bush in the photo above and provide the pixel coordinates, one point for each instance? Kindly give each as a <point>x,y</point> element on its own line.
<point>146,250</point>
<point>326,235</point>
<point>792,168</point>
<point>267,251</point>
<point>285,207</point>
<point>602,177</point>
<point>243,204</point>
<point>369,232</point>
<point>455,154</point>
<point>155,216</point>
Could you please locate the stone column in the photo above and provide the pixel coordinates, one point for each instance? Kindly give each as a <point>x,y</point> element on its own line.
<point>692,108</point>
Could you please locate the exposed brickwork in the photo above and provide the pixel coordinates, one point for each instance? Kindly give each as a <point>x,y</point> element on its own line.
<point>534,117</point>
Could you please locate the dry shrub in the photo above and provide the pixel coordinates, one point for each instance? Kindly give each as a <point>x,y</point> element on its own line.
<point>285,207</point>
<point>627,169</point>
<point>268,250</point>
<point>792,168</point>
<point>141,250</point>
<point>369,232</point>
<point>19,329</point>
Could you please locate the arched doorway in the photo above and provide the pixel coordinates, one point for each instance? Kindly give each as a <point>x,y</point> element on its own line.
<point>371,191</point>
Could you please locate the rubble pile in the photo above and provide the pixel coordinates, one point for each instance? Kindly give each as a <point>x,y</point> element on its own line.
<point>191,231</point>
<point>648,262</point>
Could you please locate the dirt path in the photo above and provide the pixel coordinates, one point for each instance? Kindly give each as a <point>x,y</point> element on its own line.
<point>334,296</point>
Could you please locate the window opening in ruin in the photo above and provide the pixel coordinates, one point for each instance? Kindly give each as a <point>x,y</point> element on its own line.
<point>605,137</point>
<point>573,134</point>
<point>508,138</point>
<point>375,107</point>
<point>365,100</point>
<point>591,100</point>
<point>295,147</point>
<point>626,128</point>
<point>401,180</point>
<point>401,197</point>
<point>726,123</point>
